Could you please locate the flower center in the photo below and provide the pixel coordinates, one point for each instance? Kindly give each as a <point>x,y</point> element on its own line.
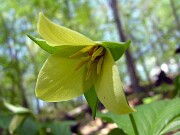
<point>94,56</point>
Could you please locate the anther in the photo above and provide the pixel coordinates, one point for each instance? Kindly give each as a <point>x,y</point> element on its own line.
<point>81,63</point>
<point>89,69</point>
<point>85,49</point>
<point>97,53</point>
<point>99,65</point>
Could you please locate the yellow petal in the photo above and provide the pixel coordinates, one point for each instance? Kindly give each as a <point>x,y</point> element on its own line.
<point>56,35</point>
<point>58,80</point>
<point>109,88</point>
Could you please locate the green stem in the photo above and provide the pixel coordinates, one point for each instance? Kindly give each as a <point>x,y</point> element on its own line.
<point>133,124</point>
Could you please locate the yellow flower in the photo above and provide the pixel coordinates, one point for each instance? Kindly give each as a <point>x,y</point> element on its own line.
<point>78,64</point>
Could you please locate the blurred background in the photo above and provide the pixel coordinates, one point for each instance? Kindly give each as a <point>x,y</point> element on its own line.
<point>148,70</point>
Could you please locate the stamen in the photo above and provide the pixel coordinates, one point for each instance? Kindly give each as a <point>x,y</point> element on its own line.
<point>85,49</point>
<point>80,64</point>
<point>75,54</point>
<point>89,64</point>
<point>95,48</point>
<point>86,58</point>
<point>99,65</point>
<point>97,53</point>
<point>91,51</point>
<point>90,68</point>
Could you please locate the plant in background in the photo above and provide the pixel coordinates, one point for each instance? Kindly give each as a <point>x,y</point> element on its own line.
<point>21,120</point>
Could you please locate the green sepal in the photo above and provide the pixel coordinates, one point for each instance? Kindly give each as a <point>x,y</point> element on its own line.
<point>92,100</point>
<point>117,48</point>
<point>42,43</point>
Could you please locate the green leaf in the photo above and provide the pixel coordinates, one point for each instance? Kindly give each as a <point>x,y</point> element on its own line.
<point>43,44</point>
<point>16,109</point>
<point>174,125</point>
<point>61,128</point>
<point>16,122</point>
<point>152,119</point>
<point>117,48</point>
<point>92,100</point>
<point>28,127</point>
<point>117,131</point>
<point>5,120</point>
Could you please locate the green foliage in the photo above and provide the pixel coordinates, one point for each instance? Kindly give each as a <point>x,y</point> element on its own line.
<point>172,126</point>
<point>16,109</point>
<point>28,127</point>
<point>5,120</point>
<point>117,131</point>
<point>60,128</point>
<point>21,114</point>
<point>23,120</point>
<point>157,118</point>
<point>152,99</point>
<point>16,121</point>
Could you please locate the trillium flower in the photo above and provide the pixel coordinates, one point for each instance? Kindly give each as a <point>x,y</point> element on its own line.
<point>77,64</point>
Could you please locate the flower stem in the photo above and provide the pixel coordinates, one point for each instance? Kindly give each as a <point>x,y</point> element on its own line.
<point>133,124</point>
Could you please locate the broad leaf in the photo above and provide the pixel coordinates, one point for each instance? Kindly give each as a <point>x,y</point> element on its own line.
<point>117,48</point>
<point>42,43</point>
<point>16,122</point>
<point>29,127</point>
<point>117,131</point>
<point>16,109</point>
<point>156,118</point>
<point>174,125</point>
<point>92,100</point>
<point>61,128</point>
<point>5,120</point>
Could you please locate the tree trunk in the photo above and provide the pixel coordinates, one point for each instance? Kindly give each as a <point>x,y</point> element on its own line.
<point>20,83</point>
<point>145,69</point>
<point>176,17</point>
<point>129,59</point>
